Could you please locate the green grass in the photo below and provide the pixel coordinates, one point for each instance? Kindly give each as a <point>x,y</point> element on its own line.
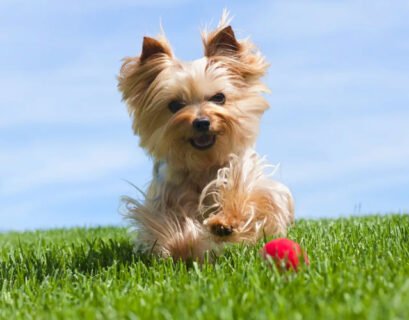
<point>359,269</point>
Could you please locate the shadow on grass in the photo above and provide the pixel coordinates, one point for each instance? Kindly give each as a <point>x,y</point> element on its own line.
<point>95,256</point>
<point>35,261</point>
<point>91,257</point>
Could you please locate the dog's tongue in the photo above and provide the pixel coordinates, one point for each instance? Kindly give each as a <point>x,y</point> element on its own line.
<point>203,140</point>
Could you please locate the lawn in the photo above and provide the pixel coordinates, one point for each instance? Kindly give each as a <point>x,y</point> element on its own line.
<point>359,270</point>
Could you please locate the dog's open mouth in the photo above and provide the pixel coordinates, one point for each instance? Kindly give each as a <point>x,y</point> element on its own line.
<point>204,141</point>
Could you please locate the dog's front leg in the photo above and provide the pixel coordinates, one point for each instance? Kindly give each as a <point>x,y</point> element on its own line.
<point>244,204</point>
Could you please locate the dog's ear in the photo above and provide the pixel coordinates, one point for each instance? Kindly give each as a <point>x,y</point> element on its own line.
<point>152,48</point>
<point>221,42</point>
<point>137,73</point>
<point>240,56</point>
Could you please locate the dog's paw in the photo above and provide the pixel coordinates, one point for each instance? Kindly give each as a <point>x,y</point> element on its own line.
<point>219,226</point>
<point>221,230</point>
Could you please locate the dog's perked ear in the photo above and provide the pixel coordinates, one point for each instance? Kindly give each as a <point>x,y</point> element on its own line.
<point>223,42</point>
<point>240,56</point>
<point>137,73</point>
<point>152,48</point>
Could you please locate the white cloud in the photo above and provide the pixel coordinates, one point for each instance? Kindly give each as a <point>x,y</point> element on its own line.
<point>322,149</point>
<point>307,19</point>
<point>78,93</point>
<point>338,127</point>
<point>355,196</point>
<point>77,6</point>
<point>41,165</point>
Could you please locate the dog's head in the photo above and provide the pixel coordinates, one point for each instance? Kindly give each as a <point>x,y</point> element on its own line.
<point>194,114</point>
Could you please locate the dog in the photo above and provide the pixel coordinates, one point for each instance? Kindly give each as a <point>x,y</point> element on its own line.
<point>199,121</point>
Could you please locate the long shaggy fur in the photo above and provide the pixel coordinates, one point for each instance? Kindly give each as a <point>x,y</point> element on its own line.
<point>254,203</point>
<point>200,199</point>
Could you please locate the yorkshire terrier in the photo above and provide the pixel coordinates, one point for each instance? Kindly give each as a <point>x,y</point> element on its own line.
<point>199,121</point>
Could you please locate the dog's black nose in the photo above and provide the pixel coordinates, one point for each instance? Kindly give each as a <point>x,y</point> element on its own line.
<point>201,124</point>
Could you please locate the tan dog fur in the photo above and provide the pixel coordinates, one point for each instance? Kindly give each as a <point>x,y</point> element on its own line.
<point>202,198</point>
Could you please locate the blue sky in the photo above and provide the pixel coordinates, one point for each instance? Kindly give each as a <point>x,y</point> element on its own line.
<point>338,123</point>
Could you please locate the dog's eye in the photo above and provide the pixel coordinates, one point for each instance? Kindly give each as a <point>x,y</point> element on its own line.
<point>218,98</point>
<point>176,105</point>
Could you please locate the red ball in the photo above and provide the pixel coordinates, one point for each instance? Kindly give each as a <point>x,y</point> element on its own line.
<point>285,253</point>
